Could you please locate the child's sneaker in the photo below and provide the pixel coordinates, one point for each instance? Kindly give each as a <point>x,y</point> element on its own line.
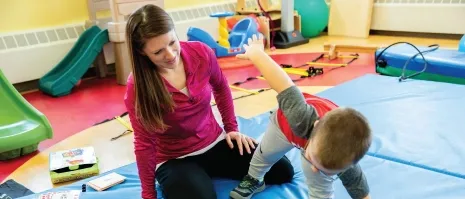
<point>247,188</point>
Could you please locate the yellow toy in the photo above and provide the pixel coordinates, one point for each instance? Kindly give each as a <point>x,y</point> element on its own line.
<point>223,32</point>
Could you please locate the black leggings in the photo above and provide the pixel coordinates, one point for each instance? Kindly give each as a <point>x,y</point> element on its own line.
<point>190,177</point>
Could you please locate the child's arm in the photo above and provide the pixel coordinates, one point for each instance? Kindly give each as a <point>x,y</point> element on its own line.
<point>271,71</point>
<point>355,182</point>
<point>300,115</point>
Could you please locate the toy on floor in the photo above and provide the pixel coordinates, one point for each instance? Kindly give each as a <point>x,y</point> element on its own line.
<point>312,70</point>
<point>66,74</point>
<point>73,164</point>
<point>230,44</point>
<point>22,126</point>
<point>105,182</point>
<point>333,50</point>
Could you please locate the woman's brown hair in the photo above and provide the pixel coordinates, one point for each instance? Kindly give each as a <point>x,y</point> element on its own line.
<point>152,99</point>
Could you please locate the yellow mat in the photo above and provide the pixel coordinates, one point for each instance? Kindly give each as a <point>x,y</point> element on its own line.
<point>113,154</point>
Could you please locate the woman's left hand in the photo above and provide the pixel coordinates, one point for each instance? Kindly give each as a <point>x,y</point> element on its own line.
<point>241,139</point>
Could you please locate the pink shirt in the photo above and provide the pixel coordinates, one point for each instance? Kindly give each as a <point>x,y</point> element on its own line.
<point>193,125</point>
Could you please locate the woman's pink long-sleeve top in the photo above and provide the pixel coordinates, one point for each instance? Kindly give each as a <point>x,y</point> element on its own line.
<point>193,125</point>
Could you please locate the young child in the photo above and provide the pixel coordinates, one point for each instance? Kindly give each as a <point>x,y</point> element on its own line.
<point>332,139</point>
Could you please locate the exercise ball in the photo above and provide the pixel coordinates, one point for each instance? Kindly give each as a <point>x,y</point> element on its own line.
<point>462,44</point>
<point>314,16</point>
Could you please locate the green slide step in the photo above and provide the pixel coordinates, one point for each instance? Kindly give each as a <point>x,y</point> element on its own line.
<point>67,73</point>
<point>397,72</point>
<point>22,127</point>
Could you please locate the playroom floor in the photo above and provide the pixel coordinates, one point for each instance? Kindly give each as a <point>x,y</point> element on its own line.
<point>73,117</point>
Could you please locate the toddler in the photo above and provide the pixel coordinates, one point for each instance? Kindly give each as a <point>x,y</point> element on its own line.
<point>331,139</point>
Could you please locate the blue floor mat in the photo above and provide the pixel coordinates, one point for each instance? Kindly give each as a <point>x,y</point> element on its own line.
<point>416,151</point>
<point>392,180</point>
<point>416,122</point>
<point>253,127</point>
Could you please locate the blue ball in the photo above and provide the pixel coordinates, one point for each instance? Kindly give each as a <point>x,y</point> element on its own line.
<point>314,16</point>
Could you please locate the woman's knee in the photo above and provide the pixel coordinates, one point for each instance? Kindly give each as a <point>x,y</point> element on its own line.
<point>281,172</point>
<point>186,180</point>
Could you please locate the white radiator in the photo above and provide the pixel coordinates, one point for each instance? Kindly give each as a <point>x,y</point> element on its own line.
<point>423,16</point>
<point>426,16</point>
<point>26,56</point>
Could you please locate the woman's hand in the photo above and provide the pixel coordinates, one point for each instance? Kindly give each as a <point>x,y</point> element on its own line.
<point>242,140</point>
<point>254,45</point>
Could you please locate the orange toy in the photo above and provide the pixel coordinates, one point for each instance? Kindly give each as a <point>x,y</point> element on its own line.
<point>233,20</point>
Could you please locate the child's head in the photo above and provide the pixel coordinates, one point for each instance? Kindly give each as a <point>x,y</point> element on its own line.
<point>339,139</point>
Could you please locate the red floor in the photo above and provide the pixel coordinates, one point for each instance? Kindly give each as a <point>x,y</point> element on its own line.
<point>93,101</point>
<point>332,76</point>
<point>98,99</point>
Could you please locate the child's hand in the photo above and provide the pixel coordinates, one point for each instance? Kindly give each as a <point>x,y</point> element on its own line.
<point>254,45</point>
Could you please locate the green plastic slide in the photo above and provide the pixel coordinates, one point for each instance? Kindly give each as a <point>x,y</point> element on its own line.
<point>22,127</point>
<point>67,73</point>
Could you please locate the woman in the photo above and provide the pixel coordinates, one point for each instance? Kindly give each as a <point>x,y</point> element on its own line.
<point>177,139</point>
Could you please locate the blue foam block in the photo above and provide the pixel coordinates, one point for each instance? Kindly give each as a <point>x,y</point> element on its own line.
<point>417,122</point>
<point>444,62</point>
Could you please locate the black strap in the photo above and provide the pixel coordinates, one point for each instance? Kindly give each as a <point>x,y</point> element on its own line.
<point>382,63</point>
<point>121,135</point>
<point>243,96</point>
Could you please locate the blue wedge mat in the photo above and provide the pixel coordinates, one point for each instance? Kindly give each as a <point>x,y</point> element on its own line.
<point>416,122</point>
<point>444,62</point>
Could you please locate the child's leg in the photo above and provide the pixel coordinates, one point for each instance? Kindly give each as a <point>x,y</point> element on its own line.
<point>272,148</point>
<point>319,185</point>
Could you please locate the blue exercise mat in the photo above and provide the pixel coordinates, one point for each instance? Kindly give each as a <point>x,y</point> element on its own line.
<point>392,180</point>
<point>253,127</point>
<point>416,122</point>
<point>416,151</point>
